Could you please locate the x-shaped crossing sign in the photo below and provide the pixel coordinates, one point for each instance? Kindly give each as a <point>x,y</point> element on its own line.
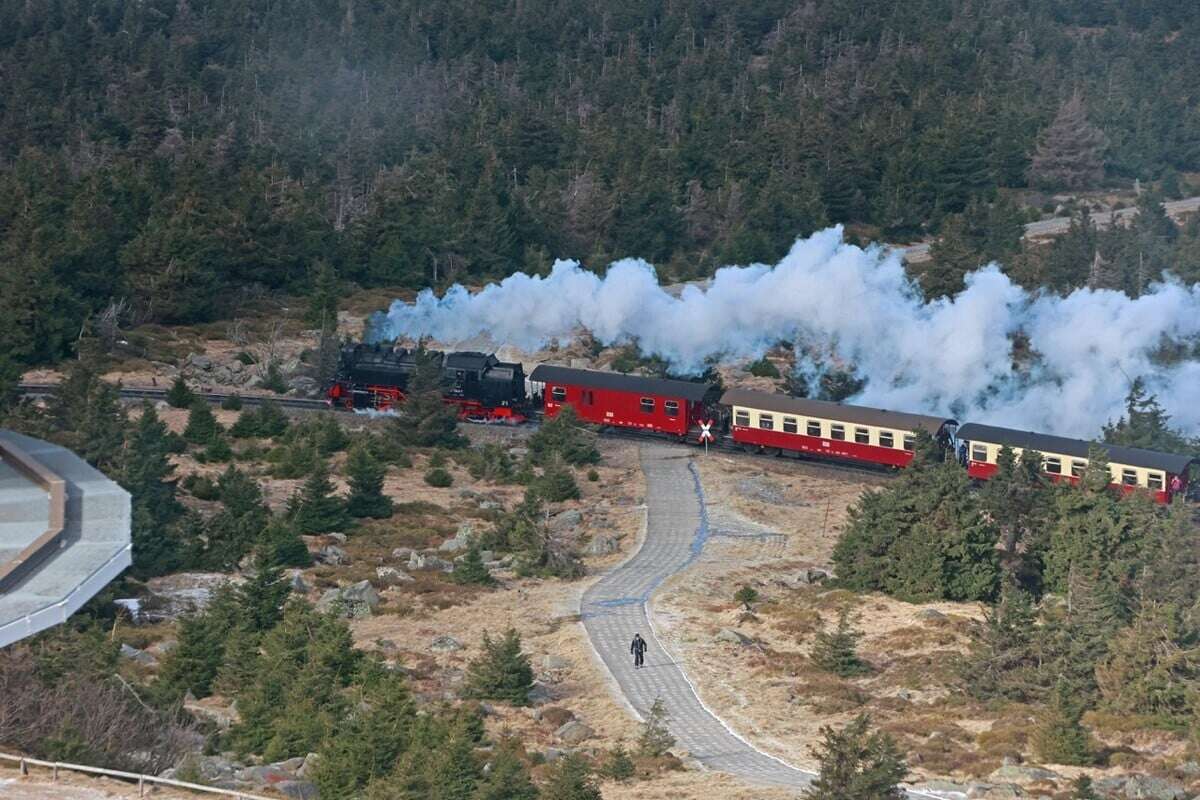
<point>706,434</point>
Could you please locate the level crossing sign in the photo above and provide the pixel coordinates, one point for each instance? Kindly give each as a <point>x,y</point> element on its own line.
<point>706,434</point>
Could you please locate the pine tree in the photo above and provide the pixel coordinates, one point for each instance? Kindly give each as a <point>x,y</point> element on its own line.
<point>1082,789</point>
<point>836,651</point>
<point>146,475</point>
<point>280,545</point>
<point>1059,737</point>
<point>365,476</point>
<point>179,395</point>
<point>1145,424</point>
<point>262,596</point>
<point>556,484</point>
<point>502,671</point>
<point>655,738</point>
<point>507,777</point>
<point>88,418</point>
<point>857,764</point>
<point>1071,151</point>
<point>318,510</point>
<point>571,779</point>
<point>202,427</point>
<point>565,437</point>
<point>471,570</point>
<point>425,420</point>
<point>1003,659</point>
<point>951,258</point>
<point>323,296</point>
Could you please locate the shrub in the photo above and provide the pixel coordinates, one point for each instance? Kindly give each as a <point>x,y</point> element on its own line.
<point>763,368</point>
<point>471,570</point>
<point>618,766</point>
<point>200,487</point>
<point>746,595</point>
<point>563,437</point>
<point>593,476</point>
<point>232,403</point>
<point>274,380</point>
<point>556,484</point>
<point>439,478</point>
<point>245,358</point>
<point>202,427</point>
<point>836,651</point>
<point>656,739</point>
<point>502,671</point>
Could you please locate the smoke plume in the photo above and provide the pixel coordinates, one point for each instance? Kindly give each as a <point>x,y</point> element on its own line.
<point>839,302</point>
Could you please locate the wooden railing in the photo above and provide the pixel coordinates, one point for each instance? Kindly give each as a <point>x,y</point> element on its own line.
<point>16,568</point>
<point>23,764</point>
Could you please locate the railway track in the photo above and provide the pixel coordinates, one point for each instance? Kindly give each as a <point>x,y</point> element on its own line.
<point>723,444</point>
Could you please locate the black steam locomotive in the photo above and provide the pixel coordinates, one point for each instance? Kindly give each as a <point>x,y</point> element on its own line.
<point>482,387</point>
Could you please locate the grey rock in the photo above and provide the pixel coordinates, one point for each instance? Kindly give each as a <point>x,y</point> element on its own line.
<point>1144,787</point>
<point>340,538</point>
<point>174,596</point>
<point>552,662</point>
<point>310,762</point>
<point>333,555</point>
<point>402,553</point>
<point>265,775</point>
<point>942,787</point>
<point>297,790</point>
<point>200,362</point>
<point>601,545</point>
<point>487,555</point>
<point>490,505</point>
<point>733,637</point>
<point>304,386</point>
<point>140,656</point>
<point>299,586</point>
<point>390,576</point>
<point>422,561</point>
<point>553,754</point>
<point>1189,768</point>
<point>574,732</point>
<point>1016,773</point>
<point>236,367</point>
<point>994,791</point>
<point>214,768</point>
<point>567,521</point>
<point>1111,785</point>
<point>445,644</point>
<point>812,575</point>
<point>540,693</point>
<point>356,600</point>
<point>931,615</point>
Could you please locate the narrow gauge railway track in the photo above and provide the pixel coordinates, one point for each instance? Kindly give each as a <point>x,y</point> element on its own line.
<point>723,444</point>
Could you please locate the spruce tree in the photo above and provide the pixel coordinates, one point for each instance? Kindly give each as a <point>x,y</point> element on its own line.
<point>1145,424</point>
<point>618,766</point>
<point>1059,737</point>
<point>836,651</point>
<point>655,738</point>
<point>556,484</point>
<point>502,671</point>
<point>564,437</point>
<point>507,777</point>
<point>857,764</point>
<point>471,570</point>
<point>1070,153</point>
<point>202,427</point>
<point>318,510</point>
<point>87,417</point>
<point>262,596</point>
<point>280,545</point>
<point>323,296</point>
<point>571,779</point>
<point>180,395</point>
<point>146,475</point>
<point>424,420</point>
<point>365,476</point>
<point>952,256</point>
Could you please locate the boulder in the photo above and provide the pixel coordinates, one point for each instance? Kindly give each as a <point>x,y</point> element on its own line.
<point>390,576</point>
<point>567,521</point>
<point>422,561</point>
<point>574,732</point>
<point>1144,787</point>
<point>994,791</point>
<point>200,362</point>
<point>181,594</point>
<point>601,545</point>
<point>140,656</point>
<point>356,600</point>
<point>445,644</point>
<point>731,636</point>
<point>1017,773</point>
<point>930,615</point>
<point>460,541</point>
<point>306,769</point>
<point>298,584</point>
<point>333,555</point>
<point>553,754</point>
<point>304,386</point>
<point>297,790</point>
<point>811,575</point>
<point>552,662</point>
<point>402,553</point>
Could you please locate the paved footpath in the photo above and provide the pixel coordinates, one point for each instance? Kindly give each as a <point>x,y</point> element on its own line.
<point>615,608</point>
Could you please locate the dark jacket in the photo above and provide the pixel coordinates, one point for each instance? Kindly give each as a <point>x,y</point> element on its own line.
<point>638,645</point>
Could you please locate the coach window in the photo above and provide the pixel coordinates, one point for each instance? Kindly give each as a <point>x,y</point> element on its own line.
<point>1052,465</point>
<point>741,419</point>
<point>589,397</point>
<point>886,439</point>
<point>559,393</point>
<point>814,428</point>
<point>862,436</point>
<point>789,425</point>
<point>672,408</point>
<point>1156,481</point>
<point>1077,468</point>
<point>837,432</point>
<point>978,452</point>
<point>648,405</point>
<point>1129,477</point>
<point>766,422</point>
<point>910,442</point>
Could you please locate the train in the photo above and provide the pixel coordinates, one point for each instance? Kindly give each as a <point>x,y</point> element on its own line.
<point>484,389</point>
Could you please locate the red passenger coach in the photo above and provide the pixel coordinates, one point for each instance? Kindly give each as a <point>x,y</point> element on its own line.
<point>624,401</point>
<point>781,424</point>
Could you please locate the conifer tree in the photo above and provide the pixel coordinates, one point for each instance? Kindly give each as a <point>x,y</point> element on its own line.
<point>471,569</point>
<point>1003,659</point>
<point>1070,153</point>
<point>565,437</point>
<point>655,738</point>
<point>280,544</point>
<point>262,597</point>
<point>836,651</point>
<point>180,395</point>
<point>365,476</point>
<point>508,777</point>
<point>571,779</point>
<point>424,420</point>
<point>857,763</point>
<point>556,484</point>
<point>146,475</point>
<point>1145,424</point>
<point>1059,737</point>
<point>87,417</point>
<point>318,509</point>
<point>323,296</point>
<point>951,258</point>
<point>202,427</point>
<point>502,671</point>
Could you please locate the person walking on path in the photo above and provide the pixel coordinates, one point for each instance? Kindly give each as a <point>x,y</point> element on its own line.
<point>638,648</point>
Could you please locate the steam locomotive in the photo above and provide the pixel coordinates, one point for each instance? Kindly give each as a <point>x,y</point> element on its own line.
<point>479,385</point>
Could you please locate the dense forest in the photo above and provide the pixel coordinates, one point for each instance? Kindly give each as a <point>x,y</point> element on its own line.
<point>180,156</point>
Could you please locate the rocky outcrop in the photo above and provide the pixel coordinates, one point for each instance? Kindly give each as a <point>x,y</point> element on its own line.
<point>391,576</point>
<point>353,601</point>
<point>574,732</point>
<point>424,561</point>
<point>460,541</point>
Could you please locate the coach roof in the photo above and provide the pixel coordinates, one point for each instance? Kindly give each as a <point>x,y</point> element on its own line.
<point>822,409</point>
<point>1077,448</point>
<point>617,382</point>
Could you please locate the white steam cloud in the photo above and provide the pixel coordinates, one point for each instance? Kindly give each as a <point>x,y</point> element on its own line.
<point>952,356</point>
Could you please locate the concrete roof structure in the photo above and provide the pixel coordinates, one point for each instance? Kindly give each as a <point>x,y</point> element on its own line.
<point>64,534</point>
